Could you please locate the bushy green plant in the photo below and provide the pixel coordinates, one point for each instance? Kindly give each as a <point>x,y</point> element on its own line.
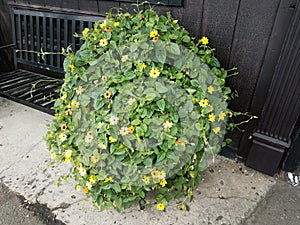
<point>142,105</point>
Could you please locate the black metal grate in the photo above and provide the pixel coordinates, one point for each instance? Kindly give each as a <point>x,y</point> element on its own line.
<point>32,89</point>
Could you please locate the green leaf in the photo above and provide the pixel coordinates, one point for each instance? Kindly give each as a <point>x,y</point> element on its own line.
<point>130,76</point>
<point>186,39</point>
<point>173,48</point>
<point>161,104</point>
<point>215,62</point>
<point>161,55</point>
<point>161,88</point>
<point>116,187</point>
<point>119,204</point>
<point>161,156</point>
<point>148,162</point>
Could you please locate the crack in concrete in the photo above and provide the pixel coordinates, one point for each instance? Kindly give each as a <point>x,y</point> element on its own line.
<point>230,197</point>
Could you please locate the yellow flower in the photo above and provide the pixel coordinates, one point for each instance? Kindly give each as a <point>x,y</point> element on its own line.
<point>116,24</point>
<point>53,155</point>
<point>68,159</point>
<point>64,96</point>
<point>89,185</point>
<point>85,190</point>
<point>103,24</point>
<point>222,115</point>
<point>154,72</point>
<point>211,117</point>
<point>144,66</point>
<point>204,40</point>
<point>63,127</point>
<point>52,134</point>
<point>155,174</point>
<point>175,21</point>
<point>101,145</point>
<point>163,183</point>
<point>103,42</point>
<point>94,159</point>
<point>76,77</point>
<point>210,89</point>
<point>154,39</point>
<point>131,129</point>
<point>203,103</point>
<point>112,139</point>
<point>216,130</point>
<point>72,67</point>
<point>167,124</point>
<point>153,33</point>
<point>124,58</point>
<point>107,94</point>
<point>161,206</point>
<point>79,90</point>
<point>62,137</point>
<point>146,179</point>
<point>75,104</point>
<point>108,179</point>
<point>161,175</point>
<point>85,31</point>
<point>68,112</point>
<point>77,187</point>
<point>93,179</point>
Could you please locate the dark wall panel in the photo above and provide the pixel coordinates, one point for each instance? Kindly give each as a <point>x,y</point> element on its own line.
<point>254,24</point>
<point>105,6</point>
<point>253,29</point>
<point>192,16</point>
<point>218,22</point>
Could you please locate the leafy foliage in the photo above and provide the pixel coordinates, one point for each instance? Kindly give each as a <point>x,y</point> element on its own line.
<point>120,121</point>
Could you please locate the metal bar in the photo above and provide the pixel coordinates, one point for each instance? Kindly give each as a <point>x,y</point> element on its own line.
<point>58,57</point>
<point>6,76</point>
<point>72,37</point>
<point>30,92</point>
<point>14,81</point>
<point>31,25</point>
<point>45,37</point>
<point>7,46</point>
<point>19,85</point>
<point>51,40</point>
<point>35,92</point>
<point>49,104</point>
<point>65,33</point>
<point>81,28</point>
<point>90,24</point>
<point>19,32</point>
<point>14,37</point>
<point>85,17</point>
<point>38,37</point>
<point>35,97</point>
<point>25,37</point>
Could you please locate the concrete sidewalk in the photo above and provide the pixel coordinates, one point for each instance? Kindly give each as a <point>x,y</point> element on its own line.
<point>228,194</point>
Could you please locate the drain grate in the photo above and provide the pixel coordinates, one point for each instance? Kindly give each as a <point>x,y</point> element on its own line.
<point>31,89</point>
